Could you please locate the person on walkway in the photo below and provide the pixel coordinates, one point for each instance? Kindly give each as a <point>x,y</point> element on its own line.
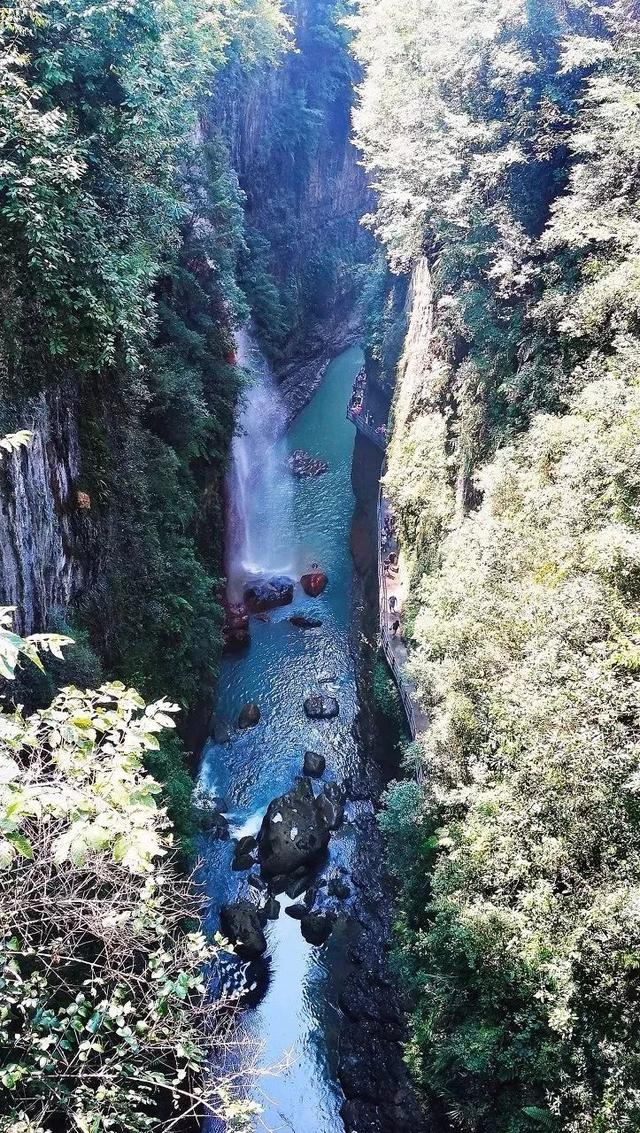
<point>393,602</point>
<point>395,627</point>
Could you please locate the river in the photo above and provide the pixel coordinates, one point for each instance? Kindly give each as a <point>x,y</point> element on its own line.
<point>296,1020</point>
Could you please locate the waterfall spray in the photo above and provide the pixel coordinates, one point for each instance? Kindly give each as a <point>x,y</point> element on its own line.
<point>259,487</point>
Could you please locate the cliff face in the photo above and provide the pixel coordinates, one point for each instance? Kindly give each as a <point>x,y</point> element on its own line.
<point>292,239</point>
<point>288,130</point>
<point>41,569</point>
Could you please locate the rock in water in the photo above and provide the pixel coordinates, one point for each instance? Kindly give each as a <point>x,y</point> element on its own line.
<point>314,764</point>
<point>249,716</point>
<point>338,887</point>
<point>221,734</point>
<point>331,802</point>
<point>321,707</point>
<point>294,832</point>
<point>297,886</point>
<point>240,864</point>
<point>267,593</point>
<point>272,909</point>
<point>314,583</point>
<point>297,912</point>
<point>236,627</point>
<point>302,464</point>
<point>241,924</point>
<point>316,927</point>
<point>210,821</point>
<point>303,622</point>
<point>246,845</point>
<point>257,882</point>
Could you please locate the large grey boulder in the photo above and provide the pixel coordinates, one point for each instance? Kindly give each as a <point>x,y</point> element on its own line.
<point>249,716</point>
<point>294,832</point>
<point>330,802</point>
<point>240,923</point>
<point>268,593</point>
<point>303,622</point>
<point>314,764</point>
<point>316,927</point>
<point>321,707</point>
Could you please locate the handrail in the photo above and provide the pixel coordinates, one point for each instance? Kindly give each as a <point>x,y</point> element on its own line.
<point>385,638</point>
<point>368,430</point>
<point>356,419</point>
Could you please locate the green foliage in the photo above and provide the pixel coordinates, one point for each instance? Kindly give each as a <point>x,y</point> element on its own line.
<point>104,1015</point>
<point>505,144</point>
<point>13,647</point>
<point>121,226</point>
<point>384,311</point>
<point>168,765</point>
<point>386,696</point>
<point>36,687</point>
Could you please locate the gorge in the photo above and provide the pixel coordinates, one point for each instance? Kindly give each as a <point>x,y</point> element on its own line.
<point>308,306</point>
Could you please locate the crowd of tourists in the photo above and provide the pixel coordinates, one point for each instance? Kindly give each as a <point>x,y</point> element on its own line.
<point>357,407</point>
<point>389,546</point>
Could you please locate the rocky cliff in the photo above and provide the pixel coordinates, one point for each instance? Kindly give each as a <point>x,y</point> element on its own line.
<point>41,567</point>
<point>288,130</point>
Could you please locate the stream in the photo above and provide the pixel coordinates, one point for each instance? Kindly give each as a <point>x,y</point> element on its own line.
<point>282,524</point>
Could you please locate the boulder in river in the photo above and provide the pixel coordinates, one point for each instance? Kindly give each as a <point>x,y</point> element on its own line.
<point>338,887</point>
<point>220,733</point>
<point>237,634</point>
<point>271,909</point>
<point>249,716</point>
<point>314,583</point>
<point>319,707</point>
<point>303,464</point>
<point>298,885</point>
<point>316,927</point>
<point>242,862</point>
<point>331,802</point>
<point>209,813</point>
<point>213,822</point>
<point>302,622</point>
<point>296,911</point>
<point>257,882</point>
<point>314,764</point>
<point>267,593</point>
<point>246,845</point>
<point>294,832</point>
<point>240,923</point>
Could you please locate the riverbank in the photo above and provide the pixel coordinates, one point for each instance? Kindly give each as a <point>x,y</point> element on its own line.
<point>318,1009</point>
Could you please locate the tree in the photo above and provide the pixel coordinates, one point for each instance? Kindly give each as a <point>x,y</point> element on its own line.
<point>504,139</point>
<point>105,1019</point>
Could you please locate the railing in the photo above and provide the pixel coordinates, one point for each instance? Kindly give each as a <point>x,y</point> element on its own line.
<point>385,637</point>
<point>368,430</point>
<point>357,419</point>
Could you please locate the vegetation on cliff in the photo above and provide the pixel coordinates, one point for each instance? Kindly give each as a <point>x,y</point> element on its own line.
<point>504,141</point>
<point>121,225</point>
<point>303,264</point>
<point>105,1019</point>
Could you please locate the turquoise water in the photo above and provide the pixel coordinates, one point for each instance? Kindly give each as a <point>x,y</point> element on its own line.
<point>296,1020</point>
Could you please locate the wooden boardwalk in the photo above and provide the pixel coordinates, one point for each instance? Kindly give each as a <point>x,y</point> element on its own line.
<point>358,411</point>
<point>393,647</point>
<point>365,415</point>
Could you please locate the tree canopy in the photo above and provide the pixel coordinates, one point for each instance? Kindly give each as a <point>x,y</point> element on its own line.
<point>503,142</point>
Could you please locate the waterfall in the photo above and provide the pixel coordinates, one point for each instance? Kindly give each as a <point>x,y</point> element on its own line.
<point>259,537</point>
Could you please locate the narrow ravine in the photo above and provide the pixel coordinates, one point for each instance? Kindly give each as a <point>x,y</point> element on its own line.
<point>296,1018</point>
